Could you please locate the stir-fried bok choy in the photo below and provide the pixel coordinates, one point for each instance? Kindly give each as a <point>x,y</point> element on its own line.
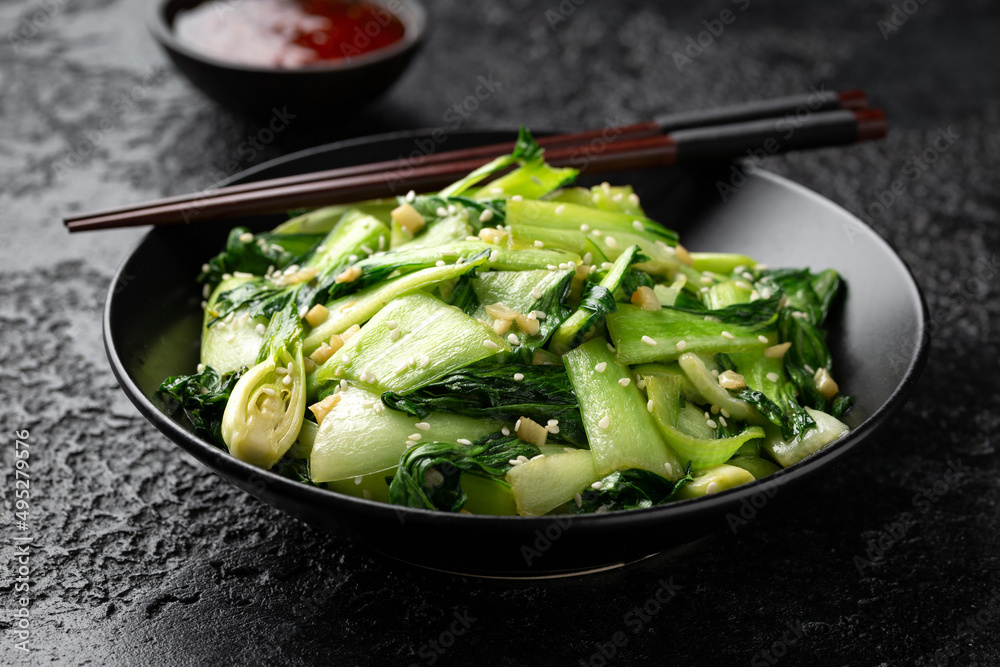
<point>512,344</point>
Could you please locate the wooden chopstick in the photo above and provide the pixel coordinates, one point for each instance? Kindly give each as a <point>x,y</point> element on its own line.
<point>637,146</point>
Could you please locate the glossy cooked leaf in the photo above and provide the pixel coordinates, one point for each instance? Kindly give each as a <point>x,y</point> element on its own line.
<point>203,396</point>
<point>630,489</point>
<point>543,393</point>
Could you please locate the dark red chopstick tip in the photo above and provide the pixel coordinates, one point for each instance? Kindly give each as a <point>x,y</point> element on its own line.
<point>872,124</point>
<point>855,100</point>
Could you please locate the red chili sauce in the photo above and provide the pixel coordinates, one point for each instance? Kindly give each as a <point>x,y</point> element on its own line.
<point>287,33</point>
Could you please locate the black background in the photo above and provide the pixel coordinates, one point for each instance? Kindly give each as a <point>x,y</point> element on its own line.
<point>141,556</point>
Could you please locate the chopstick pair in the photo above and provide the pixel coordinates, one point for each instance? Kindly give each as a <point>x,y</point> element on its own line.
<point>813,120</point>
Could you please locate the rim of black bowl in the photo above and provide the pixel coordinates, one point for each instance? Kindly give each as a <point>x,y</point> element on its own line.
<point>413,17</point>
<point>216,458</point>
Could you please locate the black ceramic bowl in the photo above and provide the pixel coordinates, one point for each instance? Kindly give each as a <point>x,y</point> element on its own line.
<point>877,336</point>
<point>314,92</point>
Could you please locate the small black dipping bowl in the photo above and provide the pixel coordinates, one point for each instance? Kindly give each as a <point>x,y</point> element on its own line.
<point>878,337</point>
<point>324,90</point>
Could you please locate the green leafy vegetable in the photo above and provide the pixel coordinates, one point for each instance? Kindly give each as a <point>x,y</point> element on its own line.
<point>203,396</point>
<point>630,489</point>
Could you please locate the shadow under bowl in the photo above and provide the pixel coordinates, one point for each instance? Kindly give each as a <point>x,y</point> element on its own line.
<point>877,337</point>
<point>315,92</point>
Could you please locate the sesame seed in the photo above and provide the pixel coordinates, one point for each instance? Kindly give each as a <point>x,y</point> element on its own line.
<point>578,499</point>
<point>624,382</point>
<point>536,293</point>
<point>597,486</point>
<point>681,344</point>
<point>246,237</point>
<point>410,443</point>
<point>513,339</point>
<point>538,314</point>
<point>424,361</point>
<point>440,262</point>
<point>402,368</point>
<point>641,384</point>
<point>605,422</point>
<point>706,415</point>
<point>463,441</point>
<point>486,215</point>
<point>649,405</point>
<point>559,209</point>
<point>712,487</point>
<point>762,338</point>
<point>722,420</point>
<point>649,341</point>
<point>423,426</point>
<point>514,462</point>
<point>600,368</point>
<point>724,413</point>
<point>268,391</point>
<point>410,196</point>
<point>728,336</point>
<point>287,380</point>
<point>260,329</point>
<point>394,334</point>
<point>200,367</point>
<point>637,226</point>
<point>535,458</point>
<point>551,267</point>
<point>773,377</point>
<point>522,458</point>
<point>517,378</point>
<point>711,423</point>
<point>490,345</point>
<point>669,468</point>
<point>612,242</point>
<point>505,431</point>
<point>553,422</point>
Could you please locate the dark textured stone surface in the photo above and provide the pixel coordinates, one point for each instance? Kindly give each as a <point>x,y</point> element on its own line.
<point>142,557</point>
